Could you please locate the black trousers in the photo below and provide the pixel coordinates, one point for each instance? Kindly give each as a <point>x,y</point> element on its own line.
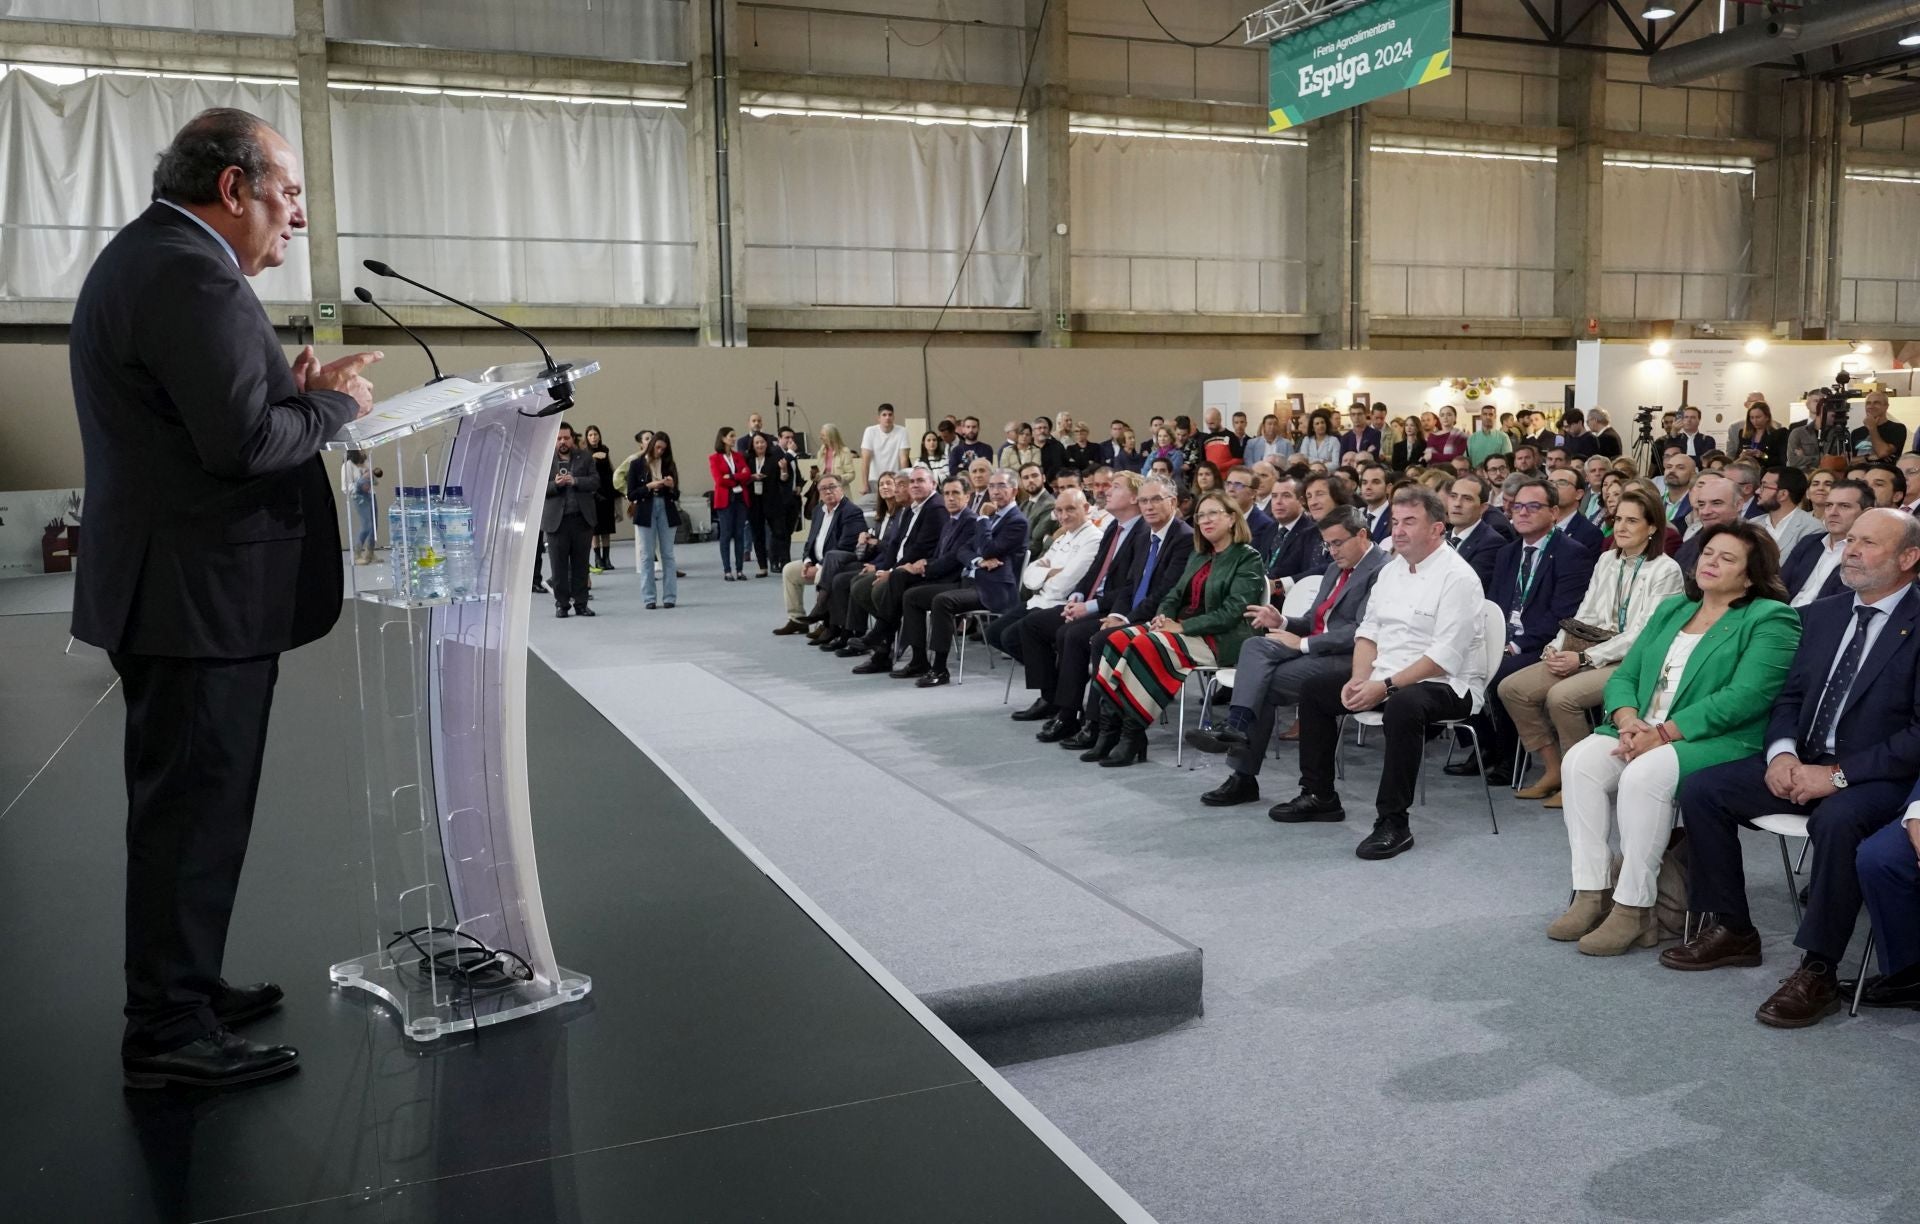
<point>845,615</point>
<point>887,602</point>
<point>539,556</point>
<point>1499,738</point>
<point>1717,800</point>
<point>196,732</point>
<point>957,602</point>
<point>1004,633</point>
<point>1058,654</point>
<point>917,608</point>
<point>830,567</point>
<point>571,544</point>
<point>1407,714</point>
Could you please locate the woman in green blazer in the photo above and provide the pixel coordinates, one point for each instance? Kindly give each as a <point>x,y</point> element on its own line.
<point>1695,690</point>
<point>1202,622</point>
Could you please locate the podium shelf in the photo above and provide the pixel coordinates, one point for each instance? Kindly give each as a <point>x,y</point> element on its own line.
<point>453,397</point>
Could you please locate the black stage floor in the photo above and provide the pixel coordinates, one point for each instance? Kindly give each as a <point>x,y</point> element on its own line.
<point>732,1063</point>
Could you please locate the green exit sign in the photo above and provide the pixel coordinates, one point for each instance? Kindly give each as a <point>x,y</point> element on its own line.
<point>327,311</point>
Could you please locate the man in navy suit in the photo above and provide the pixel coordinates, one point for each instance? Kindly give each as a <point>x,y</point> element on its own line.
<point>1888,865</point>
<point>1376,490</point>
<point>988,579</point>
<point>1539,579</point>
<point>836,527</point>
<point>1475,530</point>
<point>1362,437</point>
<point>1843,749</point>
<point>1115,446</point>
<point>1570,485</point>
<point>1690,439</point>
<point>1295,535</point>
<point>1812,569</point>
<point>875,592</point>
<point>1239,485</point>
<point>959,543</point>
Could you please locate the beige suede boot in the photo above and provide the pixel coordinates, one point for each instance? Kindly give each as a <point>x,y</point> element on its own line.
<point>1626,926</point>
<point>1586,912</point>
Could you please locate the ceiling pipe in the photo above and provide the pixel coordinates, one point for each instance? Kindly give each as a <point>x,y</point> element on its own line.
<point>1780,37</point>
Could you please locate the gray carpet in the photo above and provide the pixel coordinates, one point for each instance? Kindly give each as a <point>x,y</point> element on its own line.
<point>1382,1041</point>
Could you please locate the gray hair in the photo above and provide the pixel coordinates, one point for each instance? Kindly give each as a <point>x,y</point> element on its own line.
<point>1352,521</point>
<point>1012,476</point>
<point>1166,486</point>
<point>1423,497</point>
<point>189,169</point>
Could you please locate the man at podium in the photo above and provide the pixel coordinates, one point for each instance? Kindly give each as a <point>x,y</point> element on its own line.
<point>212,546</point>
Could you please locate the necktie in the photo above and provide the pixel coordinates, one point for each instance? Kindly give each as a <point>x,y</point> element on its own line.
<point>1526,570</point>
<point>1146,575</point>
<point>1453,541</point>
<point>1326,605</point>
<point>1837,684</point>
<point>1100,578</point>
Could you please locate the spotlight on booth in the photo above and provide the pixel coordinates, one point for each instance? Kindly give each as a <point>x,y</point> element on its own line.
<point>1756,347</point>
<point>1659,348</point>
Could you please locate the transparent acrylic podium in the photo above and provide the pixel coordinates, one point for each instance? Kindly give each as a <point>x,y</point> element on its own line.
<point>460,931</point>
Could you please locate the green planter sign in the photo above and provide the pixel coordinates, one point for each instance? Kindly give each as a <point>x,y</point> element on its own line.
<point>1382,47</point>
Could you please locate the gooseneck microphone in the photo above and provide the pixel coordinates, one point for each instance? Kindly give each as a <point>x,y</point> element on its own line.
<point>366,297</point>
<point>561,389</point>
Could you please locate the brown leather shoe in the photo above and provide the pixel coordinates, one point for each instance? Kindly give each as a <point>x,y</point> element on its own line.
<point>790,628</point>
<point>1803,1000</point>
<point>1715,948</point>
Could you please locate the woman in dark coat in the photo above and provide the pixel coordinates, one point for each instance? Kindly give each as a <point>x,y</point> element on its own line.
<point>604,516</point>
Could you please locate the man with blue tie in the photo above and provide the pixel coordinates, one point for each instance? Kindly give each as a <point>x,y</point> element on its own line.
<point>1843,749</point>
<point>988,580</point>
<point>941,572</point>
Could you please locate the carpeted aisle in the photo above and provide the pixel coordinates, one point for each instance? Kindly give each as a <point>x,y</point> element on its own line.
<point>1382,1041</point>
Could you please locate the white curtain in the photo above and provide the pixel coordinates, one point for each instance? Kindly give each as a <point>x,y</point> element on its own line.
<point>649,30</point>
<point>875,212</point>
<point>1187,225</point>
<point>1879,260</point>
<point>508,200</point>
<point>214,16</point>
<point>76,164</point>
<point>1675,243</point>
<point>1460,237</point>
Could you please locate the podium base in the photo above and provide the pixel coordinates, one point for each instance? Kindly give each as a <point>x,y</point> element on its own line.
<point>432,1005</point>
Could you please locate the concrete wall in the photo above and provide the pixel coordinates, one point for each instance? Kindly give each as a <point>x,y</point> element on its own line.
<point>691,391</point>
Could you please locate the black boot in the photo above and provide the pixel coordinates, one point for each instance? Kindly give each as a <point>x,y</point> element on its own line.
<point>1132,746</point>
<point>1109,733</point>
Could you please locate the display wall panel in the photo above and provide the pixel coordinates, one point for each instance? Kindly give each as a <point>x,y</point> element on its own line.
<point>211,16</point>
<point>1879,260</point>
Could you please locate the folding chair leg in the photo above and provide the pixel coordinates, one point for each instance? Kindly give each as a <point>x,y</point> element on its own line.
<point>1473,737</point>
<point>1339,749</point>
<point>1522,761</point>
<point>1180,733</point>
<point>1860,986</point>
<point>960,655</point>
<point>1786,862</point>
<point>1801,866</point>
<point>1008,695</point>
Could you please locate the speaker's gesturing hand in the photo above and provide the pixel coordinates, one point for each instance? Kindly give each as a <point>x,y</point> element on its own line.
<point>343,375</point>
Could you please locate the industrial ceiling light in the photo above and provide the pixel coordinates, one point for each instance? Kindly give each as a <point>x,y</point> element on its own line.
<point>1863,349</point>
<point>1659,348</point>
<point>1756,347</point>
<point>1657,12</point>
<point>1911,40</point>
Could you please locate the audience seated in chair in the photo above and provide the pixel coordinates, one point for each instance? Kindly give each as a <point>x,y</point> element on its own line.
<point>845,619</point>
<point>1055,574</point>
<point>1296,535</point>
<point>831,538</point>
<point>1693,692</point>
<point>874,590</point>
<point>1842,749</point>
<point>987,581</point>
<point>1475,529</point>
<point>1284,655</point>
<point>937,574</point>
<point>1812,570</point>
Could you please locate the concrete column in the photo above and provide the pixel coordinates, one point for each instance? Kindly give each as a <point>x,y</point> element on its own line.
<point>1579,188</point>
<point>1338,263</point>
<point>718,172</point>
<point>1049,182</point>
<point>1796,212</point>
<point>316,152</point>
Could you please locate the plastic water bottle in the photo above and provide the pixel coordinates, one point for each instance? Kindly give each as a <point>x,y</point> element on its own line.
<point>397,545</point>
<point>426,568</point>
<point>453,528</point>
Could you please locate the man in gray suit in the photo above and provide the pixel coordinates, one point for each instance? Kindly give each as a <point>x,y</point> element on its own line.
<point>1272,667</point>
<point>567,520</point>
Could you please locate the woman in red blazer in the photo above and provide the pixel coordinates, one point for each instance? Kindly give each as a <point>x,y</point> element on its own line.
<point>730,499</point>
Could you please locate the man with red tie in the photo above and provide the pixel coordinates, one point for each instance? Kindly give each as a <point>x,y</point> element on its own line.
<point>1271,668</point>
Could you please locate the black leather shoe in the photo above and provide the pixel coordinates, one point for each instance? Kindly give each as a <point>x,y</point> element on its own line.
<point>878,665</point>
<point>1086,737</point>
<point>1060,726</point>
<point>834,640</point>
<point>933,679</point>
<point>217,1060</point>
<point>539,588</point>
<point>912,671</point>
<point>561,613</point>
<point>1238,788</point>
<point>1390,836</point>
<point>235,1005</point>
<point>1498,778</point>
<point>1130,750</point>
<point>852,649</point>
<point>1040,710</point>
<point>1900,989</point>
<point>1468,768</point>
<point>1305,809</point>
<point>1215,739</point>
<point>585,612</point>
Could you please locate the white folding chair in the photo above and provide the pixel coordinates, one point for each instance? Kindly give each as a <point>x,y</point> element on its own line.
<point>1492,641</point>
<point>1787,827</point>
<point>1300,596</point>
<point>961,624</point>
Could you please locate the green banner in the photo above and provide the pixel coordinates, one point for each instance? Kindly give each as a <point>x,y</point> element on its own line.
<point>1382,47</point>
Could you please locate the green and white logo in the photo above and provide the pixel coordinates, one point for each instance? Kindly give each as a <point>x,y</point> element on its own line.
<point>1368,52</point>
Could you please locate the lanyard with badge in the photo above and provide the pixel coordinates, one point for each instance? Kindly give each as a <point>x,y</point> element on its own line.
<point>1625,591</point>
<point>1533,577</point>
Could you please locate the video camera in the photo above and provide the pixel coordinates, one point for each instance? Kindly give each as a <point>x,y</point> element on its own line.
<point>1830,418</point>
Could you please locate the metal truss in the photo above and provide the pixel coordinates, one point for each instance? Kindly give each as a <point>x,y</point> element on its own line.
<point>1289,16</point>
<point>1559,21</point>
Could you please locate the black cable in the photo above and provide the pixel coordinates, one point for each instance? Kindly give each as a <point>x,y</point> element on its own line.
<point>1183,42</point>
<point>1014,129</point>
<point>909,42</point>
<point>466,963</point>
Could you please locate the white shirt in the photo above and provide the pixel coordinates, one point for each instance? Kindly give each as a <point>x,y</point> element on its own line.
<point>1830,554</point>
<point>1792,529</point>
<point>224,244</point>
<point>1432,612</point>
<point>1874,626</point>
<point>351,474</point>
<point>887,448</point>
<point>1461,537</point>
<point>1672,670</point>
<point>1070,554</point>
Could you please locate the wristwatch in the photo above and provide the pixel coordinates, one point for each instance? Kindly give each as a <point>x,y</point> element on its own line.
<point>1839,778</point>
<point>1393,688</point>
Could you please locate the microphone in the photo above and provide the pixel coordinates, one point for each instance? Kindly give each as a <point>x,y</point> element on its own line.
<point>561,390</point>
<point>366,297</point>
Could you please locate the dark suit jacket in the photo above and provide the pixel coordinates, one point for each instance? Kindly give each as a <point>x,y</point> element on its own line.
<point>1581,528</point>
<point>959,543</point>
<point>1167,568</point>
<point>919,544</point>
<point>1501,523</point>
<point>1348,612</point>
<point>646,502</point>
<point>576,497</point>
<point>1561,573</point>
<point>1382,528</point>
<point>1004,540</point>
<point>210,527</point>
<point>1293,556</point>
<point>1264,529</point>
<point>1482,549</point>
<point>840,535</point>
<point>1116,572</point>
<point>1878,734</point>
<point>1799,567</point>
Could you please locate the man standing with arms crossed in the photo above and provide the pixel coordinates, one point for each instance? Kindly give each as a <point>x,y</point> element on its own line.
<point>213,547</point>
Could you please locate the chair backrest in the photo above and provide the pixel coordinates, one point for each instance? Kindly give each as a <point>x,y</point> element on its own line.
<point>1300,596</point>
<point>1493,644</point>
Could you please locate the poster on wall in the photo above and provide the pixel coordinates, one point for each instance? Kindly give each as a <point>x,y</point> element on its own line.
<point>39,532</point>
<point>1379,48</point>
